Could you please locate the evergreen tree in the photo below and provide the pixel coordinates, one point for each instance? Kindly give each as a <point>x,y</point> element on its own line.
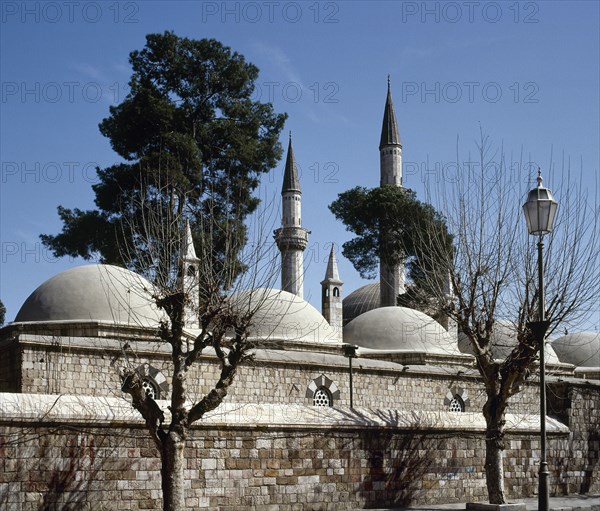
<point>188,131</point>
<point>389,223</point>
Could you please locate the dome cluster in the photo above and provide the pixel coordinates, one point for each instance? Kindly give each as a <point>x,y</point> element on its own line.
<point>109,294</point>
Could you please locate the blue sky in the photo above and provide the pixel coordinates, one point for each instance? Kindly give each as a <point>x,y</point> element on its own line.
<point>527,72</point>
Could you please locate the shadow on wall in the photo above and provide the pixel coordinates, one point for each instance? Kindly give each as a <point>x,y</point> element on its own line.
<point>60,471</point>
<point>401,466</point>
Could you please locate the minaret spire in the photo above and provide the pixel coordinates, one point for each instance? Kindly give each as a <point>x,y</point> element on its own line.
<point>331,296</point>
<point>291,237</point>
<point>189,278</point>
<point>291,183</point>
<point>390,135</point>
<point>390,158</point>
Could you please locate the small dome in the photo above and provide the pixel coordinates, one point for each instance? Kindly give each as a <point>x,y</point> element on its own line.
<point>399,329</point>
<point>94,292</point>
<point>504,339</point>
<point>362,300</point>
<point>283,316</point>
<point>582,349</point>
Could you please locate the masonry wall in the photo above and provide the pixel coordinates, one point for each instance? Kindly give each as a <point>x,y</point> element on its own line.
<point>95,372</point>
<point>278,469</point>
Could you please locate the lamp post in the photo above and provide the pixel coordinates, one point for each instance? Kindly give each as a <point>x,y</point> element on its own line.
<point>540,211</point>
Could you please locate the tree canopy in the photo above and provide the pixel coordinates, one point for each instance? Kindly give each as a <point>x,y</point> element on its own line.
<point>190,132</point>
<point>391,223</point>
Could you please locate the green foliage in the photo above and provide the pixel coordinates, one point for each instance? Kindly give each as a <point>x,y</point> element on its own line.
<point>192,137</point>
<point>2,313</point>
<point>392,224</point>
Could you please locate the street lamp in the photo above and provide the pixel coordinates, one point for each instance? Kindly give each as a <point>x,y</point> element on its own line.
<point>540,211</point>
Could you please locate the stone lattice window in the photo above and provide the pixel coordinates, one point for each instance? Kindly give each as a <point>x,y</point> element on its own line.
<point>322,391</point>
<point>457,399</point>
<point>150,388</point>
<point>154,382</point>
<point>456,404</point>
<point>322,397</point>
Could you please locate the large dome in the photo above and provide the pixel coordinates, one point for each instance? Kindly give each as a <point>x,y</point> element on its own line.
<point>504,340</point>
<point>399,329</point>
<point>95,292</point>
<point>581,349</point>
<point>362,300</point>
<point>280,315</point>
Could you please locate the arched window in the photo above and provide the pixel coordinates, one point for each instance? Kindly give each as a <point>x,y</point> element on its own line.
<point>456,404</point>
<point>322,391</point>
<point>336,292</point>
<point>457,399</point>
<point>154,382</point>
<point>325,292</point>
<point>322,397</point>
<point>150,388</point>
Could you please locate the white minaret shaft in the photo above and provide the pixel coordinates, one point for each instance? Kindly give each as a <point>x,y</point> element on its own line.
<point>331,296</point>
<point>390,154</point>
<point>291,238</point>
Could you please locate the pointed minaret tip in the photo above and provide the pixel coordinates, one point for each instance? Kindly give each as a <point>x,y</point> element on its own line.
<point>291,183</point>
<point>390,135</point>
<point>332,273</point>
<point>189,252</point>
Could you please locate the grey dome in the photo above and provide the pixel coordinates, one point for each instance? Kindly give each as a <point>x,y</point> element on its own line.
<point>399,329</point>
<point>94,292</point>
<point>280,315</point>
<point>504,339</point>
<point>582,349</point>
<point>362,300</point>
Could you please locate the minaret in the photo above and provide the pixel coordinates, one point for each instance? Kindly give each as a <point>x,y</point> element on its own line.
<point>291,237</point>
<point>331,295</point>
<point>390,147</point>
<point>390,152</point>
<point>190,279</point>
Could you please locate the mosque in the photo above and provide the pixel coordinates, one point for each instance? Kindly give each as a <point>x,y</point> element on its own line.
<point>364,404</point>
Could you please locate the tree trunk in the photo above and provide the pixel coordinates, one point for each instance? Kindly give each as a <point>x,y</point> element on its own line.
<point>173,461</point>
<point>493,411</point>
<point>494,470</point>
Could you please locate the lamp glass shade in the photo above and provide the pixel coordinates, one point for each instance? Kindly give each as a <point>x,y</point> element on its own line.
<point>540,211</point>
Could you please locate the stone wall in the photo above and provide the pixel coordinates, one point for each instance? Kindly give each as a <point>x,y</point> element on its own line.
<point>275,376</point>
<point>282,459</point>
<point>577,404</point>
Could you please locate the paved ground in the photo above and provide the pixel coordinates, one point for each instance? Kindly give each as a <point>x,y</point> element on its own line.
<point>571,503</point>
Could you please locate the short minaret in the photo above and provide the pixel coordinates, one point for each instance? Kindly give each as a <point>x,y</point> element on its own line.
<point>331,295</point>
<point>390,153</point>
<point>291,237</point>
<point>190,279</point>
<point>446,320</point>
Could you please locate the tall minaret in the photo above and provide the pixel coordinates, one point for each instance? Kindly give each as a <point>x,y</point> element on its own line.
<point>390,147</point>
<point>190,279</point>
<point>331,295</point>
<point>291,237</point>
<point>390,153</point>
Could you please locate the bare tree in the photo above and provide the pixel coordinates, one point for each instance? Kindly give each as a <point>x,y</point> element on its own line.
<point>492,272</point>
<point>194,291</point>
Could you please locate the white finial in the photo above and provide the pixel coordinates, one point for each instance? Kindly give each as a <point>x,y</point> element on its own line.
<point>539,178</point>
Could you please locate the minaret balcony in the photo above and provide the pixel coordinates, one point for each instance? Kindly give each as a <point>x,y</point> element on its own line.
<point>291,238</point>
